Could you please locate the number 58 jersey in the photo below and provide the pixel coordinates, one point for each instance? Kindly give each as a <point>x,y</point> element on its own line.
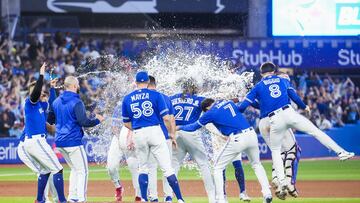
<point>187,108</point>
<point>143,108</point>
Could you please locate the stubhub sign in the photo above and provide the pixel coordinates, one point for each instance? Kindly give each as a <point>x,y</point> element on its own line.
<point>327,55</point>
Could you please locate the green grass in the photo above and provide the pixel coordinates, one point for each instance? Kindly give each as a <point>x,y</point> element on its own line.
<point>200,200</point>
<point>308,170</point>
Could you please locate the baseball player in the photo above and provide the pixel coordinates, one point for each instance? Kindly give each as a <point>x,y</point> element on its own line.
<point>187,110</point>
<point>71,117</point>
<point>153,194</point>
<point>226,117</point>
<point>290,150</point>
<point>118,149</point>
<point>272,94</point>
<point>142,112</point>
<point>39,155</point>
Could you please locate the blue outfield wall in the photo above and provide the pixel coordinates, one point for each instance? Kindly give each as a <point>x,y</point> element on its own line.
<point>347,137</point>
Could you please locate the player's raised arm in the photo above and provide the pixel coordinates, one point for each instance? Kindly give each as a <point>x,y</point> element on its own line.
<point>36,91</point>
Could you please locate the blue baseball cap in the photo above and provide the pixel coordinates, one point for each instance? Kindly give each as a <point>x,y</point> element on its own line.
<point>142,76</point>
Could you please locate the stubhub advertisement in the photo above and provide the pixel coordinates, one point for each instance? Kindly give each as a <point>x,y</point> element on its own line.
<point>316,18</point>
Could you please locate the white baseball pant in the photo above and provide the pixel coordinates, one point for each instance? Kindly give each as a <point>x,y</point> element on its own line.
<point>288,142</point>
<point>280,123</point>
<point>152,140</point>
<point>191,142</point>
<point>243,142</point>
<point>153,193</point>
<point>76,158</point>
<point>118,149</point>
<point>36,168</point>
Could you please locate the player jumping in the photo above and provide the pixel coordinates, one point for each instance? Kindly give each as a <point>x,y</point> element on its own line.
<point>272,94</point>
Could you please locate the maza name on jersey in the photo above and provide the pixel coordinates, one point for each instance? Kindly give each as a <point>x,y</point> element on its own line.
<point>140,96</point>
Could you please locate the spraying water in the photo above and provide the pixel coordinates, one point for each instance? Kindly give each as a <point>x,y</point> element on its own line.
<point>214,77</point>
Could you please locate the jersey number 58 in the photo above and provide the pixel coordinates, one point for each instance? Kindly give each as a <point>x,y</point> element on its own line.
<point>146,109</point>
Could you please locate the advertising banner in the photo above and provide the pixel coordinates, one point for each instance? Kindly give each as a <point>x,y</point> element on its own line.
<point>347,137</point>
<point>316,18</point>
<point>303,54</point>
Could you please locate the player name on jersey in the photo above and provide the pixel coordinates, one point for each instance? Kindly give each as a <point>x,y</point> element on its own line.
<point>185,101</point>
<point>140,96</point>
<point>271,81</point>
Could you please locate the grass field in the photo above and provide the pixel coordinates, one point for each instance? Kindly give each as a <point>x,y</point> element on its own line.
<point>308,170</point>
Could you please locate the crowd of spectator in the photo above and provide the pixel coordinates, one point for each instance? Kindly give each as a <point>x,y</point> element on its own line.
<point>334,101</point>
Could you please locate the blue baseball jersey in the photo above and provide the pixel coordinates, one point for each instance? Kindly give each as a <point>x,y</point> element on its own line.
<point>171,112</point>
<point>271,93</point>
<point>187,108</point>
<point>226,117</point>
<point>143,108</point>
<point>35,117</point>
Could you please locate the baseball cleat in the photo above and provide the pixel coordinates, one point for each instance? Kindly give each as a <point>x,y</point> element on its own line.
<point>119,193</point>
<point>154,200</point>
<point>292,191</point>
<point>137,199</point>
<point>181,201</point>
<point>244,197</point>
<point>281,192</point>
<point>168,199</point>
<point>267,200</point>
<point>345,155</point>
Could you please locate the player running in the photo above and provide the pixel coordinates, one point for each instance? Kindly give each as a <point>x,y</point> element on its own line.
<point>71,117</point>
<point>35,147</point>
<point>187,110</point>
<point>240,138</point>
<point>153,165</point>
<point>142,111</point>
<point>272,94</point>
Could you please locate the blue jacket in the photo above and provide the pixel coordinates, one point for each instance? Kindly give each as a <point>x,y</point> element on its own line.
<point>70,116</point>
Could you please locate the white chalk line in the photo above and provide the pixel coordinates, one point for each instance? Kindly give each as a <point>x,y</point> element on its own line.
<point>32,173</point>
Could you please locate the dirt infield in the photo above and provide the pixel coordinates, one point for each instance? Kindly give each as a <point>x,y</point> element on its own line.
<point>196,188</point>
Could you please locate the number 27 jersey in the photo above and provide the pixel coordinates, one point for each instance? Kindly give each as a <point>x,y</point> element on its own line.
<point>143,108</point>
<point>187,108</point>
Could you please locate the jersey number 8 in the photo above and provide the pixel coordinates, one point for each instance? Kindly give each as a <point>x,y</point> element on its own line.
<point>146,107</point>
<point>274,91</point>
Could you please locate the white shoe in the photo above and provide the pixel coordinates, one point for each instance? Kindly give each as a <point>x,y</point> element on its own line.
<point>281,192</point>
<point>244,197</point>
<point>181,201</point>
<point>292,191</point>
<point>345,155</point>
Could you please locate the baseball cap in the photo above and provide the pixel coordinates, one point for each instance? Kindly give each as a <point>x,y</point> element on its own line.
<point>142,76</point>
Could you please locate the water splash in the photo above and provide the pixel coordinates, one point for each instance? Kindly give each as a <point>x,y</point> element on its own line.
<point>215,78</point>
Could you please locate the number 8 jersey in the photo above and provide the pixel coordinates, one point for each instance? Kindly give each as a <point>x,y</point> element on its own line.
<point>143,108</point>
<point>272,93</point>
<point>187,108</point>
